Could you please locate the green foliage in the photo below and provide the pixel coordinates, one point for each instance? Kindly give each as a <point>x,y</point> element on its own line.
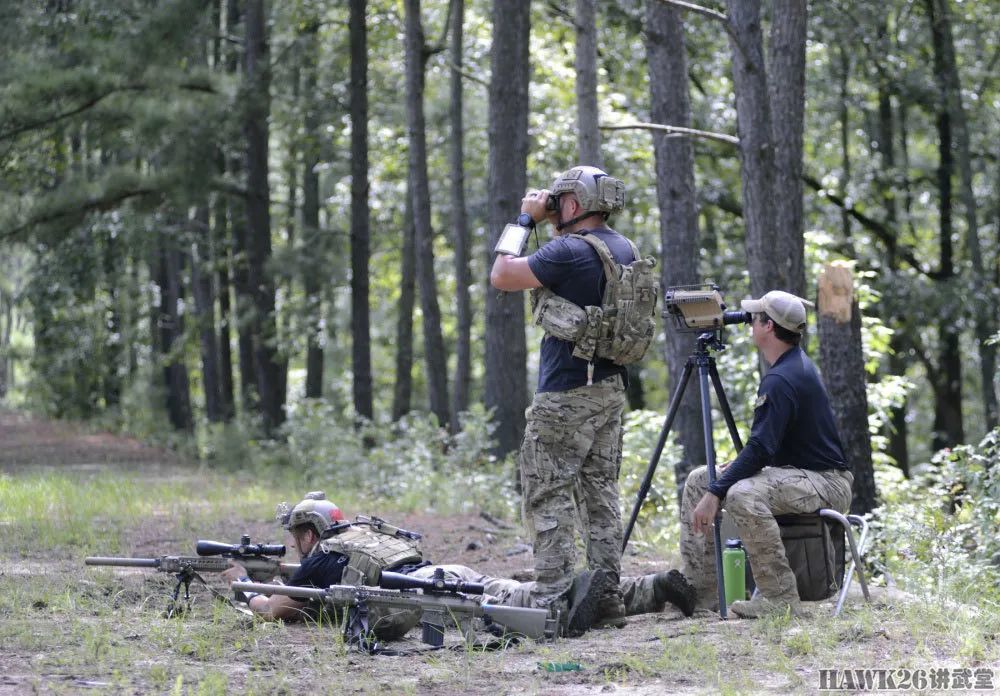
<point>657,525</point>
<point>413,463</point>
<point>936,532</point>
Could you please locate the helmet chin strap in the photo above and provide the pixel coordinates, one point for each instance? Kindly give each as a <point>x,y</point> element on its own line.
<point>563,225</point>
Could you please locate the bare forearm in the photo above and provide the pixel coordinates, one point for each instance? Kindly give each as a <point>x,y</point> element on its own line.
<point>276,607</point>
<point>512,273</point>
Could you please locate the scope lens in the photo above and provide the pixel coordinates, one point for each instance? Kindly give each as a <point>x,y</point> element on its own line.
<point>737,318</point>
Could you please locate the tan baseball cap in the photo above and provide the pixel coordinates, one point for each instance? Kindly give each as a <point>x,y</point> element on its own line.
<point>786,309</point>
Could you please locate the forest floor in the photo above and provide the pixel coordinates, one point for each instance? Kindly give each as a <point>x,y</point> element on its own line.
<point>65,628</point>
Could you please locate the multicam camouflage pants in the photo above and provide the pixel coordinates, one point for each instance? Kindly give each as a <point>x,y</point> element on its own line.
<point>752,504</point>
<point>569,463</point>
<point>638,592</point>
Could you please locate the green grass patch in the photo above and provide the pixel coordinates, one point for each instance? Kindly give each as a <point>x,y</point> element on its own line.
<point>48,512</point>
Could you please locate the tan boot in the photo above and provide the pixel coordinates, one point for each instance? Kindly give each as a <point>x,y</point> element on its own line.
<point>760,606</point>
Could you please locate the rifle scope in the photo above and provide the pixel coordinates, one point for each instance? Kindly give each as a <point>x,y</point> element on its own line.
<point>435,585</point>
<point>244,548</point>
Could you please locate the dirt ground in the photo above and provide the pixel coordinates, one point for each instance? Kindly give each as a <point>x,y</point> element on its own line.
<point>654,654</point>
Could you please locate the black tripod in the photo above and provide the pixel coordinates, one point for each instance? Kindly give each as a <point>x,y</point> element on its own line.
<point>711,340</point>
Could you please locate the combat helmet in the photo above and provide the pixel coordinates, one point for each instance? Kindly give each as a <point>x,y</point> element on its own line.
<point>314,510</point>
<point>596,191</point>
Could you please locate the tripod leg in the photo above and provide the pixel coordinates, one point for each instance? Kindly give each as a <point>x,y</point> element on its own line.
<point>727,413</point>
<point>647,481</point>
<point>706,419</point>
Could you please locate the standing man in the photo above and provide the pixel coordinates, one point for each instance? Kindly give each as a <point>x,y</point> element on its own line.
<point>793,463</point>
<point>571,453</point>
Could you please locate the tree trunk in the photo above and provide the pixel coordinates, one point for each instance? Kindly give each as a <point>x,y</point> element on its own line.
<point>898,429</point>
<point>950,85</point>
<point>948,426</point>
<point>313,245</point>
<point>133,310</point>
<point>588,116</point>
<point>225,224</point>
<point>787,90</point>
<point>204,308</point>
<point>460,227</point>
<point>113,275</point>
<point>843,77</point>
<point>222,246</point>
<point>255,128</point>
<point>286,278</point>
<point>244,315</point>
<point>361,360</point>
<point>249,399</point>
<point>675,186</point>
<point>506,391</point>
<point>435,356</point>
<point>898,448</point>
<point>6,330</point>
<point>402,393</point>
<point>757,158</point>
<point>844,374</point>
<point>171,328</point>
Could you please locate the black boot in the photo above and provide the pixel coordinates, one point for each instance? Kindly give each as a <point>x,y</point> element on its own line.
<point>673,587</point>
<point>584,596</point>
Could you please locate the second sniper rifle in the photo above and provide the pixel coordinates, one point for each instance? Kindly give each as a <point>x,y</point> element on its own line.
<point>260,560</point>
<point>440,603</point>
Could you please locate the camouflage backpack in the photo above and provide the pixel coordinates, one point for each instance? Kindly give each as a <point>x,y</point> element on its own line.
<point>622,328</point>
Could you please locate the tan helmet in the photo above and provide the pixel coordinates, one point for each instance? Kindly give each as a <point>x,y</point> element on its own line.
<point>595,190</point>
<point>315,511</point>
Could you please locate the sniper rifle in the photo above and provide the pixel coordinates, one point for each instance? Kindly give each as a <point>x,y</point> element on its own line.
<point>439,602</point>
<point>260,560</point>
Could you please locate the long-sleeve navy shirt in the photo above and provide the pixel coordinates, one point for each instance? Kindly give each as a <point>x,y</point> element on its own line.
<point>793,424</point>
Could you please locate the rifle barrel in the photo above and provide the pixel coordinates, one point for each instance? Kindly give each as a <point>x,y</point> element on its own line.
<point>123,562</point>
<point>533,623</point>
<point>287,590</point>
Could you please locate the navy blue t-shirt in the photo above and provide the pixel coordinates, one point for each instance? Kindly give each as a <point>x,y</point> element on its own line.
<point>572,269</point>
<point>319,570</point>
<point>793,424</point>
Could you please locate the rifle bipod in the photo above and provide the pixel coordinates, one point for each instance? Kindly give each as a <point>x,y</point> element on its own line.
<point>184,578</point>
<point>174,608</point>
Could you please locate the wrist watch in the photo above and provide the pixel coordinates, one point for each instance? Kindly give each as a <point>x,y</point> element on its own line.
<point>525,220</point>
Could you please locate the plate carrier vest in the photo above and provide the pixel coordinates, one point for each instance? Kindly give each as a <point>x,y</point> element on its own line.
<point>621,328</point>
<point>369,551</point>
